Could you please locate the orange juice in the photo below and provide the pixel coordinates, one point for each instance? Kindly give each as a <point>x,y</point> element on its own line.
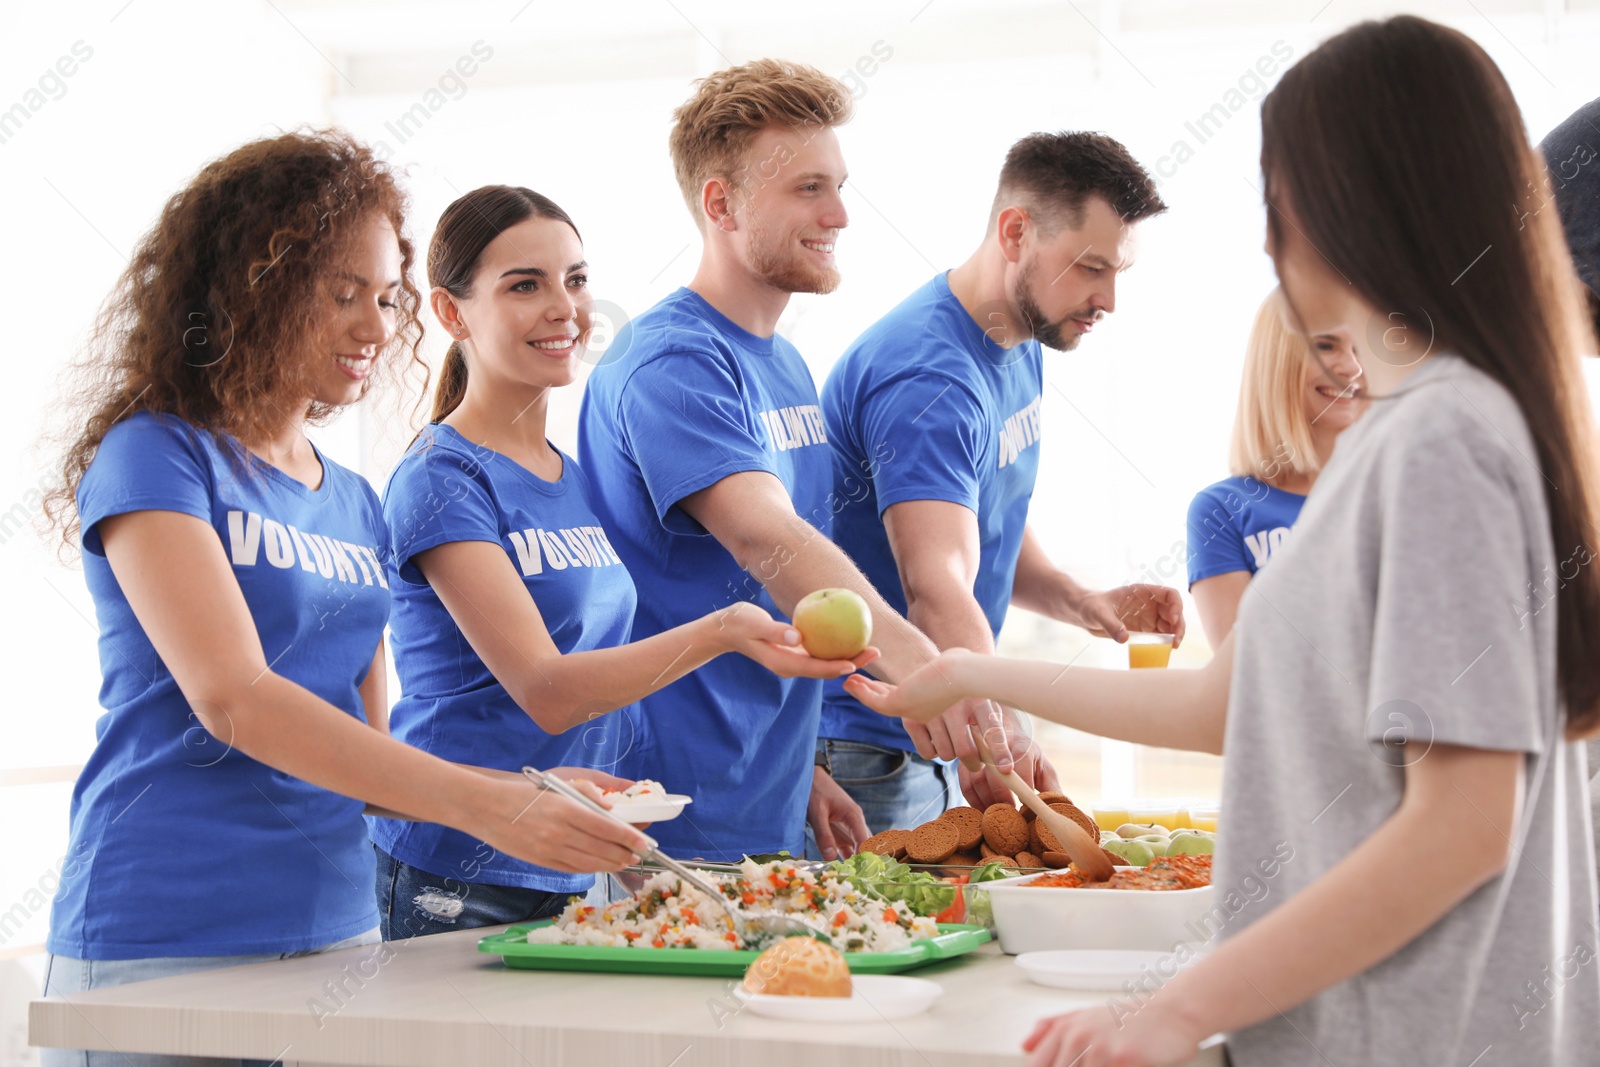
<point>1203,818</point>
<point>1168,813</point>
<point>1143,655</point>
<point>1111,818</point>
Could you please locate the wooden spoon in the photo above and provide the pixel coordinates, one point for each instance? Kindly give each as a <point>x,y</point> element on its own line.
<point>1084,850</point>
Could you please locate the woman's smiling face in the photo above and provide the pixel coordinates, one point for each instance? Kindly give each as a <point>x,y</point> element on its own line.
<point>362,291</point>
<point>526,322</point>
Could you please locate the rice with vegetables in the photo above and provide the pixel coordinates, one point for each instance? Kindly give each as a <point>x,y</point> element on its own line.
<point>668,913</point>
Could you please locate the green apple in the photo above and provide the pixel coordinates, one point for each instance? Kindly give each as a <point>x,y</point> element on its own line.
<point>1136,853</point>
<point>1131,830</point>
<point>833,623</point>
<point>1191,845</point>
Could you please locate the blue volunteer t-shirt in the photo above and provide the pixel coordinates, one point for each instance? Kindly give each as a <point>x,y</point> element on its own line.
<point>180,844</point>
<point>685,399</point>
<point>1237,525</point>
<point>447,489</point>
<point>925,406</point>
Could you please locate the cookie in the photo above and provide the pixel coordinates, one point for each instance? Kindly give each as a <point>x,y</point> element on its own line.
<point>1029,859</point>
<point>1041,836</point>
<point>1004,829</point>
<point>969,824</point>
<point>932,842</point>
<point>1056,859</point>
<point>985,851</point>
<point>1113,859</point>
<point>1079,816</point>
<point>964,859</point>
<point>889,843</point>
<point>1006,861</point>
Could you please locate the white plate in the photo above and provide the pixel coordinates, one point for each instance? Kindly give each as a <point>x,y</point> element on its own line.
<point>876,998</point>
<point>1095,970</point>
<point>651,809</point>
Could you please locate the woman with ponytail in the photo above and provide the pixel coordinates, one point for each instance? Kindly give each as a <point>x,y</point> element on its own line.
<point>512,613</point>
<point>239,580</point>
<point>1404,868</point>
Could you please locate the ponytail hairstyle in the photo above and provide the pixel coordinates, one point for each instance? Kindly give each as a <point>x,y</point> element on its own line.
<point>466,228</point>
<point>1404,156</point>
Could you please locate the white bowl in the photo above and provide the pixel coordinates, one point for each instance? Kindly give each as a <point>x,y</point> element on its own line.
<point>1041,918</point>
<point>874,998</point>
<point>650,809</point>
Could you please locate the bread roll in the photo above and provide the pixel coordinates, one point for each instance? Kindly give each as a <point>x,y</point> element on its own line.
<point>799,967</point>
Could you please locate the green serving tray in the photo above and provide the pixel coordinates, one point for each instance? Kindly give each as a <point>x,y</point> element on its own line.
<point>954,939</point>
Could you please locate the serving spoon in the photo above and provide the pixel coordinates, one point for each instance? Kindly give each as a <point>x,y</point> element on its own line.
<point>767,923</point>
<point>1084,850</point>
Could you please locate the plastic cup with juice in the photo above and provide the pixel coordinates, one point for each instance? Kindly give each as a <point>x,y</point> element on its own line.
<point>1204,817</point>
<point>1172,814</point>
<point>1149,650</point>
<point>1109,818</point>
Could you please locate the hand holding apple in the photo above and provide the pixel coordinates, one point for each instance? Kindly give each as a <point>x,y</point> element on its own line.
<point>833,623</point>
<point>748,630</point>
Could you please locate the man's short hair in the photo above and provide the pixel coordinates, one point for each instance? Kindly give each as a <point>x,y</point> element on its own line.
<point>713,130</point>
<point>1053,175</point>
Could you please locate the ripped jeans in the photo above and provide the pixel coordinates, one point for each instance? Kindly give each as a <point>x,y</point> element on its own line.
<point>413,902</point>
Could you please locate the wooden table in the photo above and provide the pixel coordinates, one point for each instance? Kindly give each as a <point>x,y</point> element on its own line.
<point>437,1001</point>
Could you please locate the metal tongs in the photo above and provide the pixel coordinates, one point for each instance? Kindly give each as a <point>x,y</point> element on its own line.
<point>767,923</point>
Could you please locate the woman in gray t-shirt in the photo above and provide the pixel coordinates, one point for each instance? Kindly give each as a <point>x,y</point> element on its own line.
<point>1405,872</point>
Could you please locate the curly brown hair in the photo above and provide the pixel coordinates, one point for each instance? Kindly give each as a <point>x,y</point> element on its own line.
<point>225,291</point>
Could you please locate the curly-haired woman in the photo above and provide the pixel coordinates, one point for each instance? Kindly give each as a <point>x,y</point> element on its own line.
<point>240,581</point>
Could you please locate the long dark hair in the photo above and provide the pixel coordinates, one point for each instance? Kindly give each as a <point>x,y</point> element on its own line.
<point>224,291</point>
<point>1403,157</point>
<point>465,229</point>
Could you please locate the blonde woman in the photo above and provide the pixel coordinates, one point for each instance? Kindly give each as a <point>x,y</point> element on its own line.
<point>1291,411</point>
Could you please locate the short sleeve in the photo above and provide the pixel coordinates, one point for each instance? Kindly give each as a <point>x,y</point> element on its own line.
<point>436,496</point>
<point>1215,539</point>
<point>689,427</point>
<point>935,430</point>
<point>144,463</point>
<point>1454,655</point>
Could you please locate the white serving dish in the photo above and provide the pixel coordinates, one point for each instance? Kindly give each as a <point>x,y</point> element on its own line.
<point>650,808</point>
<point>1037,918</point>
<point>875,998</point>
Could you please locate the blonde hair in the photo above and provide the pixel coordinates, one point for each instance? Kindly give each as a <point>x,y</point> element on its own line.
<point>712,131</point>
<point>1271,434</point>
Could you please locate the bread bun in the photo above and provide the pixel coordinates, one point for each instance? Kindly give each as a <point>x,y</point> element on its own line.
<point>799,967</point>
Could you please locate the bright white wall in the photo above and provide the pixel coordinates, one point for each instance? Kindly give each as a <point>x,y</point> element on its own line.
<point>576,103</point>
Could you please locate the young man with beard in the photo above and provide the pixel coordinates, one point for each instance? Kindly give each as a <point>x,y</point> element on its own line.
<point>933,417</point>
<point>703,431</point>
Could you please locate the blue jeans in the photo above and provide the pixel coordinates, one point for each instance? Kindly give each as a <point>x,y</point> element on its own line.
<point>64,974</point>
<point>896,788</point>
<point>413,902</point>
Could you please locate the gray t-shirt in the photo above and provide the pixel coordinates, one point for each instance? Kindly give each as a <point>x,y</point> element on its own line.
<point>1401,615</point>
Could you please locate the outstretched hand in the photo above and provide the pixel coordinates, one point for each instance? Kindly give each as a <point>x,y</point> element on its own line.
<point>1112,1036</point>
<point>748,630</point>
<point>922,695</point>
<point>1142,608</point>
